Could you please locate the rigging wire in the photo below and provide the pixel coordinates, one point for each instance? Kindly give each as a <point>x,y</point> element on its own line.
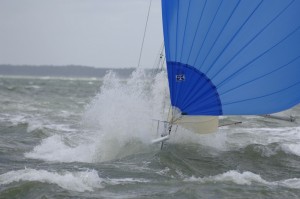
<point>159,61</point>
<point>145,30</point>
<point>159,57</point>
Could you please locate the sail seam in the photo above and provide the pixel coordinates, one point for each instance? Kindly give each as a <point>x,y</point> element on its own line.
<point>255,59</point>
<point>267,95</point>
<point>198,24</point>
<point>177,13</point>
<point>262,76</point>
<point>251,40</point>
<point>204,40</point>
<point>218,35</point>
<point>234,36</point>
<point>187,17</point>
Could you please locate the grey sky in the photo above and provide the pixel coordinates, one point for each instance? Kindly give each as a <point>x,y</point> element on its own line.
<point>101,33</point>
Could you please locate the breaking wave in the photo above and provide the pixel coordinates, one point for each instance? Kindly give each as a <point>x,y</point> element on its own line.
<point>90,180</point>
<point>245,178</point>
<point>74,181</point>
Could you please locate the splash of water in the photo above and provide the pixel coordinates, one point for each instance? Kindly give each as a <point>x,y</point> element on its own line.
<point>122,113</point>
<point>118,122</point>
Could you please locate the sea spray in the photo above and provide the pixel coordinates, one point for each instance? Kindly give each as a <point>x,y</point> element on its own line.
<point>118,121</point>
<point>122,113</point>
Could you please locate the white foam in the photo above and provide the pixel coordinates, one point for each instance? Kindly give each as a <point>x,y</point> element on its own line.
<point>164,172</point>
<point>118,122</point>
<point>17,119</point>
<point>291,148</point>
<point>286,139</point>
<point>34,125</point>
<point>245,178</point>
<point>215,140</point>
<point>126,181</point>
<point>55,148</point>
<point>293,183</point>
<point>74,181</point>
<point>35,122</point>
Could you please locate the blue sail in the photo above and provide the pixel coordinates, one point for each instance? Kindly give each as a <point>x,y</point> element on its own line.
<point>232,57</point>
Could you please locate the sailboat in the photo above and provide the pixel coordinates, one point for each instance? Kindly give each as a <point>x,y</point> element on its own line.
<point>237,57</point>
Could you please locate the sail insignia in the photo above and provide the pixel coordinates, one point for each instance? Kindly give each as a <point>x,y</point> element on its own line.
<point>189,85</point>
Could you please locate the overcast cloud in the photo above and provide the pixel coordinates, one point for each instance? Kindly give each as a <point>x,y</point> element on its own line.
<point>100,33</point>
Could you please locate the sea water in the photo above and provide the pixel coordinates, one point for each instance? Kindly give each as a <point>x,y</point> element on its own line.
<point>91,138</point>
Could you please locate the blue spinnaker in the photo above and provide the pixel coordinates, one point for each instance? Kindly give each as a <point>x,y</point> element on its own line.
<point>232,57</point>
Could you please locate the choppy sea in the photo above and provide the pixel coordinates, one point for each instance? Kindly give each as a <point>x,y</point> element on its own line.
<point>91,138</point>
